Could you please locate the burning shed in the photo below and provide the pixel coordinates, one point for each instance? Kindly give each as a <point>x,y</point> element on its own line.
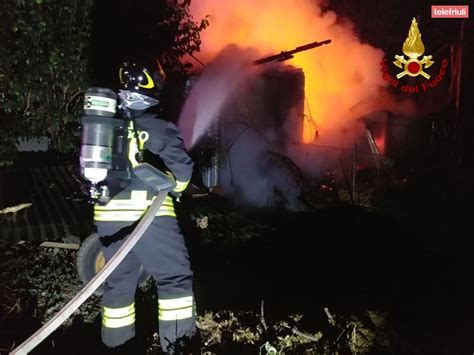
<point>240,129</point>
<point>260,121</point>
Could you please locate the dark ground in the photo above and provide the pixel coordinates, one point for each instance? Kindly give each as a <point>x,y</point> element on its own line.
<point>411,259</point>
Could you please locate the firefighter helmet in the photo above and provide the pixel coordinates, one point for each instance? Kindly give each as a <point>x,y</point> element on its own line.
<point>144,76</point>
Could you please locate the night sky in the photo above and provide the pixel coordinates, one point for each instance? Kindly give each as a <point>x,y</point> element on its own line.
<point>125,28</point>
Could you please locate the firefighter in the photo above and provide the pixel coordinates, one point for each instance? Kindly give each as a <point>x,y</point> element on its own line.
<point>161,250</point>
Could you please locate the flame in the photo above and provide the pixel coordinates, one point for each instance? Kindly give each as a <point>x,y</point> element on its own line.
<point>339,77</point>
<point>413,46</point>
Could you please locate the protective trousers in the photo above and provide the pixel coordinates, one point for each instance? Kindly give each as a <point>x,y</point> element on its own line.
<point>162,252</point>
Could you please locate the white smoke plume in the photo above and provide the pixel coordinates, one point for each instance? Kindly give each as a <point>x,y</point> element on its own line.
<point>343,83</point>
<point>343,79</point>
<point>218,83</point>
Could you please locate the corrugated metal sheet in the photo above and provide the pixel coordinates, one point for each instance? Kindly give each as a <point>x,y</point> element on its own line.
<point>58,209</point>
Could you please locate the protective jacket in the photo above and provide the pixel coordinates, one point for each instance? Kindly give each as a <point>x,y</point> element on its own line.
<point>157,142</point>
<point>161,250</point>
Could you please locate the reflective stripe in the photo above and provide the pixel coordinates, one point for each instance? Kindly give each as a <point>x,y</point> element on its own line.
<point>118,317</point>
<point>175,303</point>
<point>181,186</point>
<point>118,322</point>
<point>127,216</point>
<point>129,204</point>
<point>129,210</point>
<point>118,312</point>
<point>133,213</point>
<point>130,207</point>
<point>175,314</point>
<point>175,308</point>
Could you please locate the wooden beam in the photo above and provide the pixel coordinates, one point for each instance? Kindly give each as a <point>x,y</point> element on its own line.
<point>60,245</point>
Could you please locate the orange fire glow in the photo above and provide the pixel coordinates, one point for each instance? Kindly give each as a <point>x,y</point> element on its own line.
<point>342,78</point>
<point>380,142</point>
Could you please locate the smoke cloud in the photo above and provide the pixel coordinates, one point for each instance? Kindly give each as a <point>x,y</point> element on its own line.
<point>219,81</point>
<point>343,83</point>
<point>343,79</point>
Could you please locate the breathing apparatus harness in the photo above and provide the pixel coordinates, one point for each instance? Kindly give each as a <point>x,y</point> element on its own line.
<point>111,146</point>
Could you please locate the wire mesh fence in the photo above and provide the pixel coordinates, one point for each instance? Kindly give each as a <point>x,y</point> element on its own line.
<point>340,174</point>
<point>297,175</point>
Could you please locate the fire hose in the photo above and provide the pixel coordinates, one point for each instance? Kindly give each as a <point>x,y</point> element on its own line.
<point>42,333</point>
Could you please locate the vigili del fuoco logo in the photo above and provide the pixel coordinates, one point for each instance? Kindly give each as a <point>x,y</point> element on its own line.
<point>411,64</point>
